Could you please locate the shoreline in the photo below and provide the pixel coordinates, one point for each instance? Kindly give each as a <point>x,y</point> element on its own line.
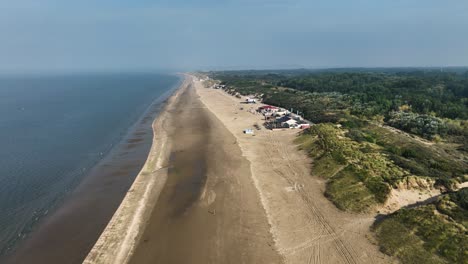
<point>100,191</point>
<point>116,243</point>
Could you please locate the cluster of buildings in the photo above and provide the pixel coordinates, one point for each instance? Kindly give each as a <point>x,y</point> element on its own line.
<point>276,117</point>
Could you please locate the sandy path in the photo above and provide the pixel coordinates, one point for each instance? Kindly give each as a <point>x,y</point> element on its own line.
<point>307,228</point>
<point>209,210</point>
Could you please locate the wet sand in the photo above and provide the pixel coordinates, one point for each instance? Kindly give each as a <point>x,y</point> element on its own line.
<point>208,210</point>
<point>68,234</point>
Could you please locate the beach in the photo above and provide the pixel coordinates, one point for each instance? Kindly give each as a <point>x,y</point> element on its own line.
<point>211,194</point>
<point>207,208</point>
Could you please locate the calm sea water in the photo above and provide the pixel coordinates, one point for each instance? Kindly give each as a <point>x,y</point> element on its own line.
<point>54,129</point>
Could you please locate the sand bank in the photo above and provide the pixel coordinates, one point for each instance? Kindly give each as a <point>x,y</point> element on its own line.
<point>307,228</point>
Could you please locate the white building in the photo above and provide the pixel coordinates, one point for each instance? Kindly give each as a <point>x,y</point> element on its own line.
<point>248,131</point>
<point>251,100</point>
<point>291,123</point>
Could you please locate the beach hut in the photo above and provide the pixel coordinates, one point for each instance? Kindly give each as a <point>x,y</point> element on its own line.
<point>291,123</point>
<point>282,112</point>
<point>250,100</point>
<point>248,131</point>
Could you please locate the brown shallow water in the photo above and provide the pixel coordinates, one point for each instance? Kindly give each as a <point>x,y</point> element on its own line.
<point>67,235</point>
<point>209,210</point>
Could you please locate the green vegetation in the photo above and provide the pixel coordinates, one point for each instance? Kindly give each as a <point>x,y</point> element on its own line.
<point>419,102</point>
<point>424,125</point>
<point>360,176</point>
<point>433,233</point>
<point>348,192</point>
<point>363,164</point>
<point>417,158</point>
<point>430,104</point>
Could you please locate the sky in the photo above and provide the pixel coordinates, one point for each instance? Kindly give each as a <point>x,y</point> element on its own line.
<point>116,35</point>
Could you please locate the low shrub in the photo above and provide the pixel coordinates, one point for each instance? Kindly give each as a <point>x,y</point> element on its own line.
<point>424,235</point>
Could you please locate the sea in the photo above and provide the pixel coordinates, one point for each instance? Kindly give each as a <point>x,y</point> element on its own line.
<point>54,129</point>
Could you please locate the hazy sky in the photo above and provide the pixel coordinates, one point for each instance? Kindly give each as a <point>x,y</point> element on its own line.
<point>200,34</point>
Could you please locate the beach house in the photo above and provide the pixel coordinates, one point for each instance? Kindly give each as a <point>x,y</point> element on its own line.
<point>250,100</point>
<point>248,131</point>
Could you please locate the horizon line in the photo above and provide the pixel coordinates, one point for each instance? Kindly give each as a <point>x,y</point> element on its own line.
<point>205,69</point>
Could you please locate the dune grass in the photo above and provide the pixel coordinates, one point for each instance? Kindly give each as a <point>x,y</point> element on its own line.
<point>397,240</point>
<point>358,175</point>
<point>433,233</point>
<point>348,192</point>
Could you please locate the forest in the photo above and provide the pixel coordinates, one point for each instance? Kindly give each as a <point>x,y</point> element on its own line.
<point>428,103</point>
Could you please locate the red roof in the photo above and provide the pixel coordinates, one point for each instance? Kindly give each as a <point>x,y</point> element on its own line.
<point>268,107</point>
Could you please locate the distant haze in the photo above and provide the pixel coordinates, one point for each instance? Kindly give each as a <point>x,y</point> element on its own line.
<point>64,35</point>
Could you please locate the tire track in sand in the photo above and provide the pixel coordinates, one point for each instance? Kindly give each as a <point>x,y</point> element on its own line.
<point>346,252</point>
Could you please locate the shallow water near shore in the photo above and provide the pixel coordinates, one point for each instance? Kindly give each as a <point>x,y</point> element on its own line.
<point>53,131</point>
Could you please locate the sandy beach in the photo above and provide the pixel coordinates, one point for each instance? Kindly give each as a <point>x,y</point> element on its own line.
<point>211,194</point>
<point>209,210</point>
<point>194,201</point>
